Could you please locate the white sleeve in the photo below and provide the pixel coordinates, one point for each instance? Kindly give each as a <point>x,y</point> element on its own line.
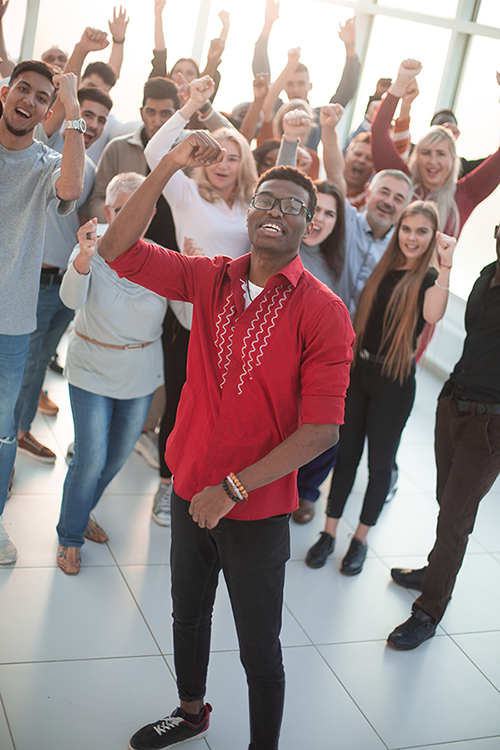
<point>74,286</point>
<point>179,188</point>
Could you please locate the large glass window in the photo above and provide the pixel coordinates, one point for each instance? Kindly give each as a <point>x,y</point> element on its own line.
<point>13,25</point>
<point>489,13</point>
<point>392,41</point>
<point>444,8</point>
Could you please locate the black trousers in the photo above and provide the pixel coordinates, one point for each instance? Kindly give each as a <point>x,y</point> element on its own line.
<point>467,450</point>
<point>252,557</point>
<point>377,408</point>
<point>175,341</point>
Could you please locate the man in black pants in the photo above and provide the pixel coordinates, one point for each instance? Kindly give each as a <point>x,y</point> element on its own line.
<point>467,446</point>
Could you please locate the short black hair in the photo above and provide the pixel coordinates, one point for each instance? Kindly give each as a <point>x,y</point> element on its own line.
<point>443,115</point>
<point>292,174</point>
<point>102,69</point>
<point>91,94</point>
<point>37,66</point>
<point>161,88</point>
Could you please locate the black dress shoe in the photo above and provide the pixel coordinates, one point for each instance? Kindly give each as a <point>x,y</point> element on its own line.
<point>316,557</point>
<point>352,564</point>
<point>55,366</point>
<point>410,634</point>
<point>408,577</point>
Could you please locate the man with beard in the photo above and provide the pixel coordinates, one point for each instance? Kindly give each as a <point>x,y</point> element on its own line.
<point>32,176</point>
<point>268,366</point>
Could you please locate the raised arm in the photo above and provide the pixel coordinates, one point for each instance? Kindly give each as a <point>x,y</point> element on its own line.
<point>92,40</point>
<point>333,158</point>
<point>401,133</point>
<point>385,153</point>
<point>350,75</point>
<point>159,61</point>
<point>436,297</point>
<point>69,186</point>
<point>260,89</point>
<point>215,51</point>
<point>260,62</point>
<point>196,150</point>
<point>277,87</point>
<point>6,62</point>
<point>118,29</point>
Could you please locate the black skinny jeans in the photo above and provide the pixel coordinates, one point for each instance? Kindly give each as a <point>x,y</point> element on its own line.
<point>252,557</point>
<point>377,408</point>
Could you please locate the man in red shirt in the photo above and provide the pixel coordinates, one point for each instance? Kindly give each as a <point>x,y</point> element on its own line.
<point>268,368</point>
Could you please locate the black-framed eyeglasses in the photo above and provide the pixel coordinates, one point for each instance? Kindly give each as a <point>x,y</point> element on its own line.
<point>290,206</point>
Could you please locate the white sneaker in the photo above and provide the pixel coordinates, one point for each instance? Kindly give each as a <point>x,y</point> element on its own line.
<point>161,504</point>
<point>147,447</point>
<point>8,551</point>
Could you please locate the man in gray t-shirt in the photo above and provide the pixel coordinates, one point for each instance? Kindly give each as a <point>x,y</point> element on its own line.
<point>32,176</point>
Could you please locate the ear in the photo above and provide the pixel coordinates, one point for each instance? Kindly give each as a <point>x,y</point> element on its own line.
<point>140,112</point>
<point>308,230</point>
<point>109,216</point>
<point>3,92</point>
<point>48,115</point>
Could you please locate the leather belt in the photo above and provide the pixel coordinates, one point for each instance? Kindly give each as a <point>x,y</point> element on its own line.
<point>51,276</point>
<point>114,346</point>
<point>379,359</point>
<point>476,407</point>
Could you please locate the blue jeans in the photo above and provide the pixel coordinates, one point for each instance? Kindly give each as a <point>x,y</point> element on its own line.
<point>106,430</point>
<point>13,354</point>
<point>52,318</point>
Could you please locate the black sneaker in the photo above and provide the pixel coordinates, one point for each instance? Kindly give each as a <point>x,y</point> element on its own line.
<point>410,634</point>
<point>316,557</point>
<point>393,488</point>
<point>170,731</point>
<point>352,564</point>
<point>410,578</point>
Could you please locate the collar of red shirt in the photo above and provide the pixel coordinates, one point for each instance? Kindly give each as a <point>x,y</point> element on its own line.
<point>238,269</point>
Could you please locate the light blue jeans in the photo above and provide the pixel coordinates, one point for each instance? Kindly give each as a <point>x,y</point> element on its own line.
<point>52,318</point>
<point>106,430</point>
<point>13,355</point>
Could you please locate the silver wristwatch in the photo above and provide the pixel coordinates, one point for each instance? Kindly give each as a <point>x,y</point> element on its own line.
<point>80,125</point>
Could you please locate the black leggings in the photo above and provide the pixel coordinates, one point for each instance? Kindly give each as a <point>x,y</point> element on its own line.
<point>378,408</point>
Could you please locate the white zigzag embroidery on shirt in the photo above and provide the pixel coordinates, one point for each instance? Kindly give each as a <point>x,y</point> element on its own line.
<point>222,326</point>
<point>273,307</point>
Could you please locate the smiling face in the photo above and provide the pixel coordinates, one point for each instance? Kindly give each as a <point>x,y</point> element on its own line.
<point>435,164</point>
<point>224,175</point>
<point>324,220</point>
<point>154,113</point>
<point>95,116</point>
<point>358,166</point>
<point>416,232</point>
<point>273,232</point>
<point>386,201</point>
<point>26,102</point>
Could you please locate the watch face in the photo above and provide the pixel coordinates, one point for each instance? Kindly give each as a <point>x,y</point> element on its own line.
<point>80,125</point>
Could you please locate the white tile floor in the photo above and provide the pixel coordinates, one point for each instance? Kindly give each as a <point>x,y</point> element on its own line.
<point>85,661</point>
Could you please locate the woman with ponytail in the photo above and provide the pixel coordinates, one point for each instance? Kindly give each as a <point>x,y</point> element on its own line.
<point>408,288</point>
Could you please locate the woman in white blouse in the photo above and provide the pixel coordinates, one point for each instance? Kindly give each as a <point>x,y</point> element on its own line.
<point>114,365</point>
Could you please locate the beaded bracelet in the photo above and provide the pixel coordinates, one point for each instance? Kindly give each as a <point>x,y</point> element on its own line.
<point>228,491</point>
<point>238,484</point>
<point>234,488</point>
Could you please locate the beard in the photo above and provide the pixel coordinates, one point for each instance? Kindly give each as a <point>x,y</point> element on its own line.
<point>17,131</point>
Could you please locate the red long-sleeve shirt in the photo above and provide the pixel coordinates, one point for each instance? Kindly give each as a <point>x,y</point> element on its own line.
<point>253,376</point>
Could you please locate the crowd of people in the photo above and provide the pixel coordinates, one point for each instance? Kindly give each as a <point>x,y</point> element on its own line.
<point>244,324</point>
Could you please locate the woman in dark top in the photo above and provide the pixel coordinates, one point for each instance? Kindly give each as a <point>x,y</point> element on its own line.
<point>403,293</point>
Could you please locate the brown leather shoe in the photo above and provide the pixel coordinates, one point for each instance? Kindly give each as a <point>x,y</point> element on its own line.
<point>69,560</point>
<point>305,511</point>
<point>46,406</point>
<point>95,533</point>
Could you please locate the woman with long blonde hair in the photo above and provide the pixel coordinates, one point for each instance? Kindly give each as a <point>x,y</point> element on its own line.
<point>433,165</point>
<point>405,291</point>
